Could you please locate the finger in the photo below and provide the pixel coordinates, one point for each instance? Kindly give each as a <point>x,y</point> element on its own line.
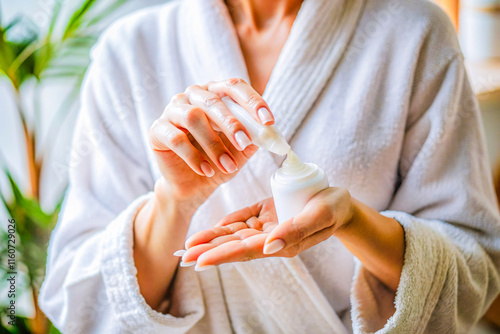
<point>179,99</point>
<point>316,216</point>
<point>183,99</point>
<point>234,251</point>
<point>241,215</point>
<point>210,234</point>
<point>254,223</point>
<point>268,211</point>
<point>245,96</point>
<point>247,233</point>
<point>194,252</point>
<point>220,115</point>
<point>252,248</point>
<point>306,243</point>
<point>196,122</point>
<point>241,157</point>
<point>264,210</point>
<point>269,226</point>
<point>166,137</point>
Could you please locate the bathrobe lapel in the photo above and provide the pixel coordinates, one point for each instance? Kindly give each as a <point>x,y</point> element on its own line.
<point>299,75</point>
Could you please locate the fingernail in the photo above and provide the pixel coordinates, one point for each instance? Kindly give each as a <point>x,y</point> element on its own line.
<point>180,252</point>
<point>274,246</point>
<point>188,264</point>
<point>203,268</point>
<point>242,139</point>
<point>228,163</point>
<point>187,242</point>
<point>265,115</point>
<point>207,169</point>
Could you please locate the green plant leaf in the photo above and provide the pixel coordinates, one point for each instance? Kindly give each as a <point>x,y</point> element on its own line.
<point>15,21</point>
<point>53,330</point>
<point>16,192</point>
<point>56,10</point>
<point>16,59</point>
<point>75,20</point>
<point>20,328</point>
<point>5,203</point>
<point>7,54</point>
<point>106,12</point>
<point>44,56</point>
<point>33,227</point>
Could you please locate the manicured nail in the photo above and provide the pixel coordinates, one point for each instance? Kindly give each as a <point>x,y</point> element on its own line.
<point>203,268</point>
<point>207,169</point>
<point>180,252</point>
<point>274,246</point>
<point>187,242</point>
<point>265,115</point>
<point>242,139</point>
<point>188,264</point>
<point>228,163</point>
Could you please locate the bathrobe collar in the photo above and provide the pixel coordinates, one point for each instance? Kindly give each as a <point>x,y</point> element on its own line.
<point>299,75</point>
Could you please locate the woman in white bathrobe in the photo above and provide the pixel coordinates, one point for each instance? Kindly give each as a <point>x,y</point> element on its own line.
<point>405,241</point>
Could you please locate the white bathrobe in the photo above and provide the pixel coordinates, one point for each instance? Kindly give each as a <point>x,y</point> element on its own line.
<point>374,92</point>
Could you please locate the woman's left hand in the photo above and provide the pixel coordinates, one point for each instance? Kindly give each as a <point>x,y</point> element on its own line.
<point>253,232</point>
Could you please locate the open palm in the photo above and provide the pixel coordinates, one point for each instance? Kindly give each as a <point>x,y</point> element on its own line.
<point>240,236</point>
<point>253,232</point>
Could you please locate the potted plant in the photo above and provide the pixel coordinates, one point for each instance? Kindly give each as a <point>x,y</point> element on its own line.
<point>31,54</point>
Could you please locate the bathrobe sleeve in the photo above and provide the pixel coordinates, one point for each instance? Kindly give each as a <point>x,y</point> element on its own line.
<point>446,204</point>
<point>91,284</point>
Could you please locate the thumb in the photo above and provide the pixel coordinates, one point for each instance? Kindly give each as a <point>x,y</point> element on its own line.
<point>315,217</point>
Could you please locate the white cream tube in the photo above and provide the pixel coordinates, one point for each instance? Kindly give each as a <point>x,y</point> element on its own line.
<point>265,136</point>
<point>294,184</point>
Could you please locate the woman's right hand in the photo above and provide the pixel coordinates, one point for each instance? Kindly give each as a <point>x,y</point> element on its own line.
<point>195,159</point>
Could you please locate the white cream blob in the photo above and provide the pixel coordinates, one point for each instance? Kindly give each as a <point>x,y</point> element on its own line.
<point>293,169</point>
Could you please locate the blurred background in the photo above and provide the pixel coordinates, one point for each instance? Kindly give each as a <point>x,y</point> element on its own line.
<point>44,52</point>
